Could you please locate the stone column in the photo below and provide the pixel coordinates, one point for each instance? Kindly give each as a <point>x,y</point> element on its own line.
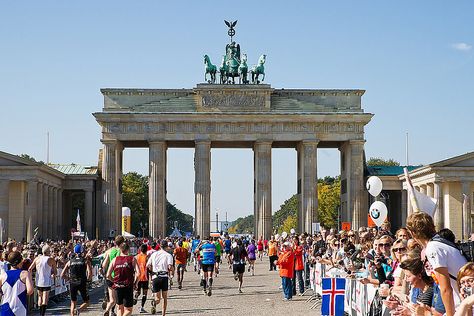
<point>404,206</point>
<point>466,189</point>
<point>358,194</point>
<point>54,208</point>
<point>423,188</point>
<point>45,219</point>
<point>439,213</point>
<point>31,208</point>
<point>307,173</point>
<point>50,211</point>
<point>39,209</point>
<point>202,188</point>
<point>60,215</point>
<point>430,190</point>
<point>88,212</point>
<point>263,189</point>
<point>111,175</point>
<point>157,189</point>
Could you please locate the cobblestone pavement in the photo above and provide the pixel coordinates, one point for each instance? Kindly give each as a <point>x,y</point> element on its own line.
<point>260,296</point>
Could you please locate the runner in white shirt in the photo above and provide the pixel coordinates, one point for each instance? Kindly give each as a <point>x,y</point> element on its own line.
<point>161,265</point>
<point>45,273</point>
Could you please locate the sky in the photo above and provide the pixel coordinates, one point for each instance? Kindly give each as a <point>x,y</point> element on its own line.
<point>413,58</point>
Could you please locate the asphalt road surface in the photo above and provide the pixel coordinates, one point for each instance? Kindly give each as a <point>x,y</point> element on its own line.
<point>261,296</point>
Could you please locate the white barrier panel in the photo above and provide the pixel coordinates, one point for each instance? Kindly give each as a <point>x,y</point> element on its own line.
<point>358,297</point>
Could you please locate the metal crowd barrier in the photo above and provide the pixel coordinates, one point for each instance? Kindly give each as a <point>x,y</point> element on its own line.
<point>357,297</point>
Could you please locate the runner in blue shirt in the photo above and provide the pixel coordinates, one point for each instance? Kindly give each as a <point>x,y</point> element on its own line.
<point>195,243</point>
<point>227,246</point>
<point>207,264</point>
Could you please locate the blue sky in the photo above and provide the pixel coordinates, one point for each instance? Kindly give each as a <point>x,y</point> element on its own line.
<point>414,58</point>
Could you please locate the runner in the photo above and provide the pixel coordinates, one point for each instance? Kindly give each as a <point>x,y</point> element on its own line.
<point>15,290</point>
<point>123,272</point>
<point>110,255</point>
<point>272,253</point>
<point>251,256</point>
<point>45,268</point>
<point>218,254</point>
<point>208,261</point>
<point>260,248</point>
<point>161,265</point>
<point>180,256</point>
<point>239,254</point>
<point>227,245</point>
<point>142,259</point>
<point>80,271</point>
<point>194,246</point>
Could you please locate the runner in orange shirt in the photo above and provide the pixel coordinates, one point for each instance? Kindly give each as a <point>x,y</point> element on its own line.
<point>181,256</point>
<point>142,259</point>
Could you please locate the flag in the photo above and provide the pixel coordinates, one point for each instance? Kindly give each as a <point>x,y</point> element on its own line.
<point>333,296</point>
<point>78,222</point>
<point>419,201</point>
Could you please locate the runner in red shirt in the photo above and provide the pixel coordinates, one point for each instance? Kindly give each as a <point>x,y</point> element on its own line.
<point>260,248</point>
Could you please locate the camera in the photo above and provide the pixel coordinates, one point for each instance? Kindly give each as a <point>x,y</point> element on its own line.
<point>468,291</point>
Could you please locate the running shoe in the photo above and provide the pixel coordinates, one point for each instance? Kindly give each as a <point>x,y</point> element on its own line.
<point>209,293</point>
<point>142,311</point>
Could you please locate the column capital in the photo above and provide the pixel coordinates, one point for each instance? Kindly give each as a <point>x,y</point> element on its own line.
<point>310,142</point>
<point>110,142</point>
<point>357,141</point>
<point>156,142</point>
<point>202,142</point>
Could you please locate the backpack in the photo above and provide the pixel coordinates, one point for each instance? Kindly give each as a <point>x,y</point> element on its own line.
<point>466,249</point>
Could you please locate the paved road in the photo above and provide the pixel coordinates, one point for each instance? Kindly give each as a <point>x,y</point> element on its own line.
<point>260,296</point>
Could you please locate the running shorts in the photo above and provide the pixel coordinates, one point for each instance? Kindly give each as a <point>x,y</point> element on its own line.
<point>44,288</point>
<point>181,266</point>
<point>207,267</point>
<point>125,296</point>
<point>81,288</point>
<point>238,268</point>
<point>218,258</point>
<point>109,283</point>
<point>159,284</point>
<point>142,285</point>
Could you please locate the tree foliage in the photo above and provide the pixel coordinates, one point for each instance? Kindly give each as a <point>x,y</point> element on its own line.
<point>288,208</point>
<point>328,203</point>
<point>242,225</point>
<point>30,158</point>
<point>290,222</point>
<point>376,161</point>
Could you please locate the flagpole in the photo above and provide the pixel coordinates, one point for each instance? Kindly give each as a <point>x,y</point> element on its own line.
<point>406,149</point>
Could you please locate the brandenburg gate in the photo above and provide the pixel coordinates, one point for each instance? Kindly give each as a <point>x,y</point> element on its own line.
<point>249,115</point>
<point>229,115</point>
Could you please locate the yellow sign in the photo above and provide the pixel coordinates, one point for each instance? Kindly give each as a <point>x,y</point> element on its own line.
<point>126,220</point>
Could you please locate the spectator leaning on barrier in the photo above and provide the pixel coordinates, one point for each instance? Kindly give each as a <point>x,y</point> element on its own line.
<point>446,260</point>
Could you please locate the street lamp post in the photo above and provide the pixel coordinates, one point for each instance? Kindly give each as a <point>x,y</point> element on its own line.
<point>143,227</point>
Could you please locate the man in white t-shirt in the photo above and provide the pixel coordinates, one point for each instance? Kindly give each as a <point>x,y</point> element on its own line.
<point>161,265</point>
<point>446,260</point>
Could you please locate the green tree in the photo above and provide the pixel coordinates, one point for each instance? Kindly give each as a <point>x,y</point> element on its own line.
<point>376,161</point>
<point>290,222</point>
<point>30,158</point>
<point>135,196</point>
<point>329,200</point>
<point>288,208</point>
<point>242,225</point>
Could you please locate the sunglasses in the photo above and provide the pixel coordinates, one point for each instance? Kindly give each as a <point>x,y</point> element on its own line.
<point>399,249</point>
<point>384,245</point>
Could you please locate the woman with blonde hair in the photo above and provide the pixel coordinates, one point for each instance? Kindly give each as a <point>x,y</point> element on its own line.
<point>465,282</point>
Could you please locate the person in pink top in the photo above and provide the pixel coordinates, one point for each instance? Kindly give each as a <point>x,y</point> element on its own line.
<point>260,248</point>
